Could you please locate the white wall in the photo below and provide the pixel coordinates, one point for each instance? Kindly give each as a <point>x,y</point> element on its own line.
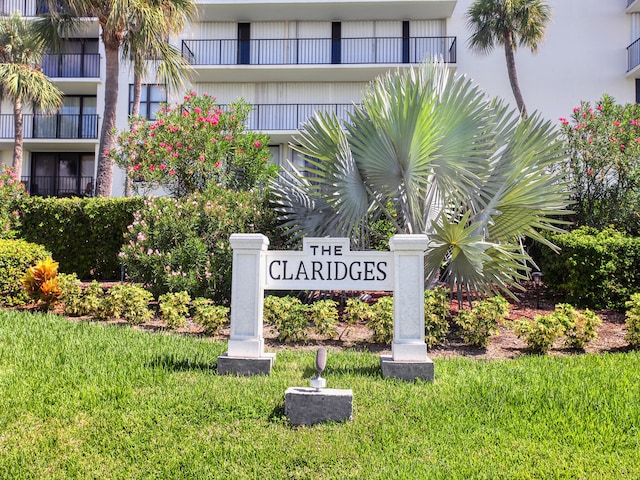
<point>583,57</point>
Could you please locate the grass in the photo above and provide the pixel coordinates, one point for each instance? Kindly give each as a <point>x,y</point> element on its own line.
<point>86,400</point>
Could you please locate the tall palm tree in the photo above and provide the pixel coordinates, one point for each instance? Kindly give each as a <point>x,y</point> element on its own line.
<point>431,154</point>
<point>116,19</point>
<point>510,23</point>
<point>21,79</point>
<point>142,46</point>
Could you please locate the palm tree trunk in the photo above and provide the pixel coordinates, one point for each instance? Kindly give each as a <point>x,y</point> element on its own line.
<point>135,111</point>
<point>17,135</point>
<point>104,176</point>
<point>513,74</point>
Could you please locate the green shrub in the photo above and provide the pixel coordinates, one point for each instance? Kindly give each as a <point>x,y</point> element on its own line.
<point>84,234</point>
<point>91,301</point>
<point>356,311</point>
<point>323,315</point>
<point>182,244</point>
<point>632,321</point>
<point>579,327</point>
<point>436,315</point>
<point>481,322</point>
<point>127,302</point>
<point>381,321</point>
<point>540,333</point>
<point>16,256</point>
<point>174,308</point>
<point>594,269</point>
<point>288,315</point>
<point>71,297</point>
<point>212,317</point>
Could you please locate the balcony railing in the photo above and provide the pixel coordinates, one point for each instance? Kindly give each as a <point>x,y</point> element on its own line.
<point>27,8</point>
<point>284,116</point>
<point>633,55</point>
<point>51,126</point>
<point>70,65</point>
<point>56,186</point>
<point>319,51</point>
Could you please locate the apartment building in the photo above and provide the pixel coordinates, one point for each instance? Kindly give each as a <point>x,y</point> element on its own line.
<point>289,58</point>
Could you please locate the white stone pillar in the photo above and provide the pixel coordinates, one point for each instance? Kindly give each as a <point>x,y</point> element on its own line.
<point>408,297</point>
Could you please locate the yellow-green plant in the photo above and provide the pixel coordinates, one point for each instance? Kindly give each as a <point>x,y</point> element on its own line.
<point>128,302</point>
<point>288,315</point>
<point>579,327</point>
<point>540,333</point>
<point>632,321</point>
<point>381,321</point>
<point>323,314</point>
<point>212,317</point>
<point>174,308</point>
<point>436,313</point>
<point>356,311</point>
<point>481,322</point>
<point>41,284</point>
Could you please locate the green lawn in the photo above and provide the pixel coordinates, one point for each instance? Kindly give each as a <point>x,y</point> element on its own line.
<point>84,400</point>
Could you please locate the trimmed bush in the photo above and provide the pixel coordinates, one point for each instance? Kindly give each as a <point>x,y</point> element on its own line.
<point>595,269</point>
<point>182,244</point>
<point>212,317</point>
<point>16,256</point>
<point>83,234</point>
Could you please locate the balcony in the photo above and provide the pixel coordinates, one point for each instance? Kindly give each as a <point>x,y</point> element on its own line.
<point>71,65</point>
<point>57,186</point>
<point>319,51</point>
<point>26,8</point>
<point>633,6</point>
<point>633,56</point>
<point>289,117</point>
<point>41,126</point>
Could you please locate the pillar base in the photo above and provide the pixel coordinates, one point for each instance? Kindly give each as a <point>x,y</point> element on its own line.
<point>407,370</point>
<point>246,366</point>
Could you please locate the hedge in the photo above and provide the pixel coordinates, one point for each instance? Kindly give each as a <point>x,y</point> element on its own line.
<point>595,269</point>
<point>83,234</point>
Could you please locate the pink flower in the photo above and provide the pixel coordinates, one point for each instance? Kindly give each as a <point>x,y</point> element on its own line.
<point>228,138</point>
<point>172,172</point>
<point>563,120</point>
<point>197,110</point>
<point>257,144</point>
<point>152,167</point>
<point>590,171</point>
<point>105,152</point>
<point>201,158</point>
<point>218,164</point>
<point>162,166</point>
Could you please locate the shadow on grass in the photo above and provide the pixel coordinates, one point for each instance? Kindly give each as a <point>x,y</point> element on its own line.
<point>365,371</point>
<point>173,363</point>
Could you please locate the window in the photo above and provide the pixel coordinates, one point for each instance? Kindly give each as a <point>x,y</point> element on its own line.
<point>151,99</point>
<point>77,118</point>
<point>61,174</point>
<point>336,47</point>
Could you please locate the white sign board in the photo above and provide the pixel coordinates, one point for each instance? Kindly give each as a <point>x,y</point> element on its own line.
<point>327,264</point>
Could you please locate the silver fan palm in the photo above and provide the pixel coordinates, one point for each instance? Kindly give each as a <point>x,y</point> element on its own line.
<point>432,154</point>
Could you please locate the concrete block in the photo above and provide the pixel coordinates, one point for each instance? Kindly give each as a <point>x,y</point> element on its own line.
<point>246,366</point>
<point>308,406</point>
<point>407,370</point>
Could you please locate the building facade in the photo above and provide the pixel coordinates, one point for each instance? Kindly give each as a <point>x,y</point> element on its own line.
<point>290,58</point>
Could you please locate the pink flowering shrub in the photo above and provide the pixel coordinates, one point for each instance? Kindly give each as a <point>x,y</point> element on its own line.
<point>603,169</point>
<point>11,189</point>
<point>194,144</point>
<point>182,244</point>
